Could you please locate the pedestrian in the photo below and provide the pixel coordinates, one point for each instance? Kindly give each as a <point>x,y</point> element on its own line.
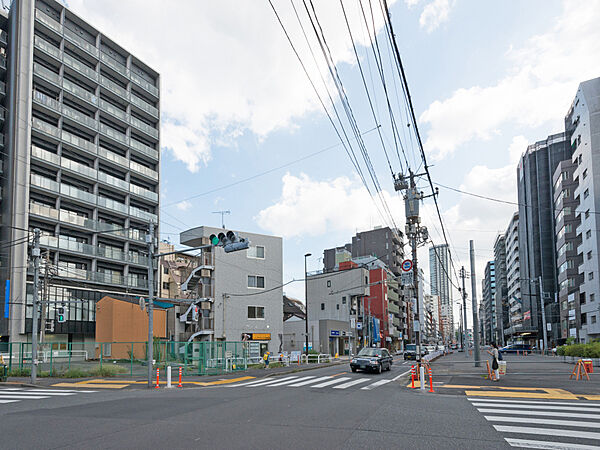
<point>495,364</point>
<point>266,359</point>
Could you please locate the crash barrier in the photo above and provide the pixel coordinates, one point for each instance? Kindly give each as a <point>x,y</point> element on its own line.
<point>180,370</point>
<point>579,371</point>
<point>157,378</point>
<point>316,358</point>
<point>432,356</point>
<point>412,376</point>
<point>430,378</point>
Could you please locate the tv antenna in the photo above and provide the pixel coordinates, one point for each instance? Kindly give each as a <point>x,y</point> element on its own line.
<point>222,216</point>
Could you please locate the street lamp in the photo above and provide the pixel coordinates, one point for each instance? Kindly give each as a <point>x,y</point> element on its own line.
<point>306,303</point>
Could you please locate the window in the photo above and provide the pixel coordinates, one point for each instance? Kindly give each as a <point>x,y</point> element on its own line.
<point>256,281</point>
<point>328,283</point>
<point>166,270</point>
<point>579,159</point>
<point>257,251</point>
<point>322,306</point>
<point>589,255</point>
<point>337,306</point>
<point>343,300</point>
<point>591,276</point>
<point>584,174</point>
<point>256,312</point>
<point>593,319</point>
<point>586,193</point>
<point>588,234</point>
<point>592,297</point>
<point>587,214</point>
<point>165,285</point>
<point>565,193</point>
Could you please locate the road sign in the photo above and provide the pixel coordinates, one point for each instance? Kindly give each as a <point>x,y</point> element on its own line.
<point>359,325</point>
<point>407,265</point>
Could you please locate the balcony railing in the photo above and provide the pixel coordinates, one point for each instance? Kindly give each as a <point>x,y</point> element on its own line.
<point>107,107</point>
<point>112,204</point>
<point>148,151</point>
<point>113,64</point>
<point>48,21</point>
<point>80,67</point>
<point>46,100</point>
<point>45,73</point>
<point>44,155</point>
<point>43,210</point>
<point>113,181</point>
<point>81,43</point>
<point>145,193</point>
<point>111,156</point>
<point>74,166</point>
<point>46,46</point>
<point>80,117</point>
<point>75,219</point>
<point>79,142</point>
<point>113,133</point>
<point>149,87</point>
<point>144,105</point>
<point>141,214</point>
<point>143,127</point>
<point>143,170</point>
<point>43,182</point>
<point>80,92</point>
<point>4,37</point>
<point>136,258</point>
<point>114,87</point>
<point>107,278</point>
<point>76,193</point>
<point>111,252</point>
<point>45,127</point>
<point>136,282</point>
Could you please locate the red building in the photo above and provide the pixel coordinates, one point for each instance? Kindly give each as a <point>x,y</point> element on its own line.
<point>376,305</point>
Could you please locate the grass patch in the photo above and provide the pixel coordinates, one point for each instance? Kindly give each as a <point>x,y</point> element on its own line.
<point>107,371</point>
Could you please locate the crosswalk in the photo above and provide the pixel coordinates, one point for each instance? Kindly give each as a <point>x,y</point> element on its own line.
<point>13,395</point>
<point>315,382</point>
<point>543,424</point>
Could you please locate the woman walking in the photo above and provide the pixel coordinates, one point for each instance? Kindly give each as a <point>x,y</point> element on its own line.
<point>495,364</point>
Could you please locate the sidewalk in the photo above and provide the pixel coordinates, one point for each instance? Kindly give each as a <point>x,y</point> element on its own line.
<point>118,382</point>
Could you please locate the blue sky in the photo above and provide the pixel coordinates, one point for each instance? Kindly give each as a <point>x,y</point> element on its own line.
<point>486,78</point>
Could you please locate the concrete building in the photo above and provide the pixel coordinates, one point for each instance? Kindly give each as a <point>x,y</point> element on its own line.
<point>515,313</point>
<point>432,308</point>
<point>246,290</point>
<point>501,292</point>
<point>81,163</point>
<point>332,257</point>
<point>384,243</point>
<point>439,277</point>
<point>488,290</point>
<point>294,317</point>
<point>338,315</point>
<point>583,122</point>
<point>537,238</point>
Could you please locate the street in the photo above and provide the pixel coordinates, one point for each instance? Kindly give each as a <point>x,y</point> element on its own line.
<point>329,407</point>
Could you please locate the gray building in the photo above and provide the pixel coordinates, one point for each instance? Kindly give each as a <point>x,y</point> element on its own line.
<point>81,164</point>
<point>583,121</point>
<point>440,283</point>
<point>537,238</point>
<point>384,243</point>
<point>245,289</point>
<point>501,292</point>
<point>515,312</point>
<point>488,291</point>
<point>332,257</point>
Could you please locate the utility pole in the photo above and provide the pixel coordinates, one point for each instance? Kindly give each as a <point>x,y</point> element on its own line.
<point>45,294</point>
<point>463,275</point>
<point>222,216</point>
<point>306,304</point>
<point>150,352</point>
<point>35,253</point>
<point>474,306</point>
<point>543,303</point>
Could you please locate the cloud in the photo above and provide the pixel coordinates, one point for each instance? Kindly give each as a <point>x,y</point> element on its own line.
<point>309,207</point>
<point>539,85</point>
<point>516,149</point>
<point>434,14</point>
<point>184,205</point>
<point>226,67</point>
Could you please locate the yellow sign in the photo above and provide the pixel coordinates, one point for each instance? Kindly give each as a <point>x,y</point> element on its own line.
<point>261,336</point>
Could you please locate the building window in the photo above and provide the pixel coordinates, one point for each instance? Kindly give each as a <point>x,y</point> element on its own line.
<point>256,312</point>
<point>565,193</point>
<point>588,234</point>
<point>256,281</point>
<point>579,159</point>
<point>337,306</point>
<point>166,270</point>
<point>586,193</point>
<point>584,174</point>
<point>592,297</point>
<point>257,252</point>
<point>589,255</point>
<point>587,214</point>
<point>328,283</point>
<point>165,285</point>
<point>322,306</point>
<point>590,276</point>
<point>593,319</point>
<point>343,300</point>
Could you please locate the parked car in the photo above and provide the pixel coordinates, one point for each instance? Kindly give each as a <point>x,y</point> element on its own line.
<point>441,348</point>
<point>375,359</point>
<point>430,348</point>
<point>514,348</point>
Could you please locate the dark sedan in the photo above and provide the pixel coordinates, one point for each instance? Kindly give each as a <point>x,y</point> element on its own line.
<point>514,348</point>
<point>375,359</point>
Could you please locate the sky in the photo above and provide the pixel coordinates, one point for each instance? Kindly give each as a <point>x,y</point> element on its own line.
<point>242,129</point>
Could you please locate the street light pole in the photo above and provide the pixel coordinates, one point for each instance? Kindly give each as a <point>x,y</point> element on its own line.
<point>306,304</point>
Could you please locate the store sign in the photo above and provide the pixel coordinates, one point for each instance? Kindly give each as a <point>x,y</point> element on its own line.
<point>334,332</point>
<point>261,336</point>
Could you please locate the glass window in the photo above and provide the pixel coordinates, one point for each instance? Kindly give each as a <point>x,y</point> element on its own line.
<point>256,281</point>
<point>328,283</point>
<point>257,251</point>
<point>591,276</point>
<point>256,312</point>
<point>586,193</point>
<point>343,300</point>
<point>322,306</point>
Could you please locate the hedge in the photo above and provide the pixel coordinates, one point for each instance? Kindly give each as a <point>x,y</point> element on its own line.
<point>591,350</point>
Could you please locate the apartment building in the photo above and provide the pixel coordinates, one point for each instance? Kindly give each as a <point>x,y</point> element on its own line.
<point>488,290</point>
<point>501,291</point>
<point>244,289</point>
<point>81,164</point>
<point>439,277</point>
<point>583,121</point>
<point>515,313</point>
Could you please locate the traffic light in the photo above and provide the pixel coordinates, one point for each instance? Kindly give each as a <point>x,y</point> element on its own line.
<point>230,241</point>
<point>60,314</point>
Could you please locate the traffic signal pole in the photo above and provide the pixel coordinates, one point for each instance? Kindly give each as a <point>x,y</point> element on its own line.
<point>35,253</point>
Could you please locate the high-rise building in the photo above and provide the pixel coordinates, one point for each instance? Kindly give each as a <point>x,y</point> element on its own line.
<point>488,291</point>
<point>501,291</point>
<point>583,120</point>
<point>81,164</point>
<point>385,243</point>
<point>515,314</point>
<point>537,238</point>
<point>439,279</point>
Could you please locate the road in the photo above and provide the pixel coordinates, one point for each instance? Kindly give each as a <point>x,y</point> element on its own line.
<point>324,408</point>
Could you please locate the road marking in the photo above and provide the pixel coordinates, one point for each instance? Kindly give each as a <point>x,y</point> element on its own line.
<point>304,383</point>
<point>548,432</point>
<point>219,382</point>
<point>532,402</point>
<point>551,394</point>
<point>525,443</point>
<point>334,381</point>
<point>21,397</point>
<point>272,382</point>
<point>562,408</point>
<point>290,381</point>
<point>351,383</point>
<point>538,413</point>
<point>8,401</point>
<point>376,384</point>
<point>28,393</point>
<point>564,423</point>
<point>401,375</point>
<point>338,374</point>
<point>95,386</point>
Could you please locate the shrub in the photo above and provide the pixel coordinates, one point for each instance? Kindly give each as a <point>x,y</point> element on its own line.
<point>19,372</point>
<point>75,373</point>
<point>106,371</point>
<point>591,350</point>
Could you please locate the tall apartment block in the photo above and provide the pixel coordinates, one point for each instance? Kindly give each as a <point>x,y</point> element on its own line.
<point>501,293</point>
<point>488,291</point>
<point>384,243</point>
<point>583,121</point>
<point>515,313</point>
<point>537,238</point>
<point>81,163</point>
<point>439,277</point>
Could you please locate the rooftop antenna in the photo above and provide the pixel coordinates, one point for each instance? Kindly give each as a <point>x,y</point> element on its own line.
<point>222,216</point>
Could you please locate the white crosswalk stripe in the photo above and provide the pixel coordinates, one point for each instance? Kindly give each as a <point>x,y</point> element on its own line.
<point>566,425</point>
<point>13,395</point>
<point>315,382</point>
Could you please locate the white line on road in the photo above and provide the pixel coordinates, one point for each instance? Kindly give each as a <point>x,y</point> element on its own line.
<point>525,443</point>
<point>401,375</point>
<point>273,382</point>
<point>351,383</point>
<point>548,432</point>
<point>376,384</point>
<point>532,402</point>
<point>290,381</point>
<point>304,383</point>
<point>8,401</point>
<point>561,408</point>
<point>21,397</point>
<point>564,423</point>
<point>27,393</point>
<point>538,413</point>
<point>330,382</point>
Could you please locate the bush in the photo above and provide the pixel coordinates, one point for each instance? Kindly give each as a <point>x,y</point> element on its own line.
<point>20,372</point>
<point>75,373</point>
<point>591,350</point>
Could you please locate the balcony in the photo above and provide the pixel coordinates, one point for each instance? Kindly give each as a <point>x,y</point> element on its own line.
<point>393,309</point>
<point>113,157</point>
<point>80,67</point>
<point>43,182</point>
<point>113,110</point>
<point>38,209</point>
<point>136,258</point>
<point>75,219</point>
<point>45,127</point>
<point>111,252</point>
<point>106,278</point>
<point>79,117</point>
<point>48,21</point>
<point>79,143</point>
<point>144,149</point>
<point>144,106</point>
<point>80,92</point>
<point>144,193</point>
<point>114,87</point>
<point>81,43</point>
<point>45,100</point>
<point>46,47</point>
<point>46,74</point>
<point>141,214</point>
<point>2,63</point>
<point>3,37</point>
<point>78,168</point>
<point>77,194</point>
<point>113,181</point>
<point>147,86</point>
<point>137,282</point>
<point>114,64</point>
<point>114,134</point>
<point>44,155</point>
<point>144,127</point>
<point>111,204</point>
<point>2,88</point>
<point>141,169</point>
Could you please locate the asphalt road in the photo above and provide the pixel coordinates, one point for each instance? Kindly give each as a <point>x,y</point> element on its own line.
<point>361,415</point>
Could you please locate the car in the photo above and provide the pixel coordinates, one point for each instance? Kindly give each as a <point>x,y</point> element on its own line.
<point>514,348</point>
<point>410,351</point>
<point>441,348</point>
<point>430,348</point>
<point>374,359</point>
